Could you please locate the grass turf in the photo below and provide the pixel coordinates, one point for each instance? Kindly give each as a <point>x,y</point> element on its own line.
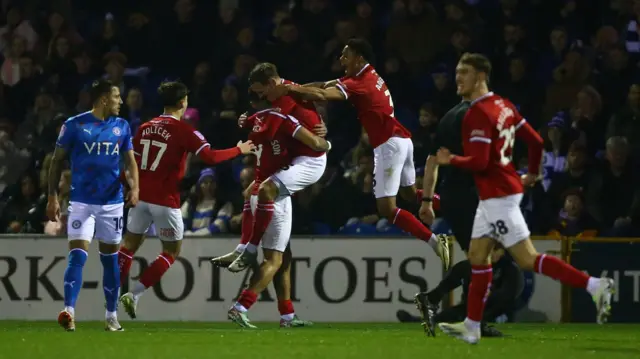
<point>186,340</point>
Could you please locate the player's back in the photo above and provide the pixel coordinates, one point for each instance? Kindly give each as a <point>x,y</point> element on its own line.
<point>271,135</point>
<point>161,154</point>
<point>95,147</point>
<point>369,94</point>
<point>306,113</point>
<point>495,120</point>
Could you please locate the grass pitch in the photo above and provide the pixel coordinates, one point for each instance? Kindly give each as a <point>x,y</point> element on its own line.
<point>187,340</point>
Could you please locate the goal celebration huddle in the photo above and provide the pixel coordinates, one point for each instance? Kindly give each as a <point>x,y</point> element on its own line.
<point>286,134</point>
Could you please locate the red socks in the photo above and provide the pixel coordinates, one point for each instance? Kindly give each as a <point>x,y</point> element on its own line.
<point>557,269</point>
<point>156,270</point>
<point>481,277</point>
<point>125,258</point>
<point>263,216</point>
<point>247,298</point>
<point>285,307</point>
<point>408,223</point>
<point>247,223</point>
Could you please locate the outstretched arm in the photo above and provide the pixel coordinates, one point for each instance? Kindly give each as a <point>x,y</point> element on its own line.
<point>308,93</point>
<point>312,141</point>
<point>321,85</point>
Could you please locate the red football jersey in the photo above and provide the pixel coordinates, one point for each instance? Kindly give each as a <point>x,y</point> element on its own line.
<point>489,130</point>
<point>161,146</point>
<point>272,134</point>
<point>370,96</point>
<point>305,112</point>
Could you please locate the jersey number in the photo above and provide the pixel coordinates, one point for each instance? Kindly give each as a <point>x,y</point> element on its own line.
<point>393,110</point>
<point>146,144</point>
<point>118,222</point>
<point>509,136</point>
<point>258,152</point>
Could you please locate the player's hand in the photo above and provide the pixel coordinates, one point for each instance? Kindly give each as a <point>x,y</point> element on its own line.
<point>320,130</point>
<point>276,92</point>
<point>132,197</point>
<point>246,147</point>
<point>53,209</point>
<point>528,180</point>
<point>426,213</point>
<point>443,156</point>
<point>242,120</point>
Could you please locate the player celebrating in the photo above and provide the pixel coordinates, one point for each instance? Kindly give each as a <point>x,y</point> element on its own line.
<point>95,140</point>
<point>306,168</point>
<point>162,145</point>
<point>393,150</point>
<point>275,135</point>
<point>489,130</point>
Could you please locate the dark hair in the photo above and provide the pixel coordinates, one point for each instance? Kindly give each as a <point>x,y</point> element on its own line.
<point>171,93</point>
<point>262,72</point>
<point>361,48</point>
<point>99,88</point>
<point>479,62</point>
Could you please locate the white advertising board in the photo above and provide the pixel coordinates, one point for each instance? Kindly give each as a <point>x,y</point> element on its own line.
<point>334,280</point>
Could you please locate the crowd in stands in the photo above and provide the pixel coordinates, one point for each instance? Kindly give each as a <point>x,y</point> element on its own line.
<point>570,66</point>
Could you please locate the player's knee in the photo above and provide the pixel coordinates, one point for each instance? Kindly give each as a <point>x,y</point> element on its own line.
<point>479,253</point>
<point>526,261</point>
<point>268,191</point>
<point>171,249</point>
<point>132,241</point>
<point>387,210</point>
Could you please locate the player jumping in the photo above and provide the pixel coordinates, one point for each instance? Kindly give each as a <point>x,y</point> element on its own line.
<point>393,149</point>
<point>489,130</point>
<point>95,141</point>
<point>162,145</point>
<point>306,168</point>
<point>275,135</point>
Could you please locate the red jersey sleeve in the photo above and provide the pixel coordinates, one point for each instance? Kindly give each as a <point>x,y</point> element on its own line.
<point>349,86</point>
<point>286,104</point>
<point>534,142</point>
<point>195,143</point>
<point>476,137</point>
<point>287,124</point>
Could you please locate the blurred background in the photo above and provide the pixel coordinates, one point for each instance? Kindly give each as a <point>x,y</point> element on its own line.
<point>571,67</point>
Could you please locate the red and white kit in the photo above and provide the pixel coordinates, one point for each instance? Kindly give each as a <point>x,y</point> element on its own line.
<point>161,147</point>
<point>391,142</point>
<point>272,133</point>
<point>307,165</point>
<point>489,130</point>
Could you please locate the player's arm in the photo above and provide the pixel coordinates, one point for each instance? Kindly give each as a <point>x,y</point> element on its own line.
<point>55,171</point>
<point>312,141</point>
<point>198,145</point>
<point>333,93</point>
<point>321,84</point>
<point>534,142</point>
<point>430,178</point>
<point>131,170</point>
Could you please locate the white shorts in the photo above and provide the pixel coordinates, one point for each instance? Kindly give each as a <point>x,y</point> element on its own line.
<point>393,167</point>
<point>278,234</point>
<point>168,221</point>
<point>302,173</point>
<point>88,221</point>
<point>502,220</point>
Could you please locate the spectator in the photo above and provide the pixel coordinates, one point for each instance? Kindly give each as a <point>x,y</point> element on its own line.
<point>613,195</point>
<point>424,135</point>
<point>554,157</point>
<point>577,175</point>
<point>363,209</point>
<point>626,122</point>
<point>16,25</point>
<point>16,214</point>
<point>574,220</point>
<point>205,212</point>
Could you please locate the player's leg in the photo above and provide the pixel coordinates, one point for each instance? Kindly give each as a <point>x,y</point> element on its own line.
<point>245,230</point>
<point>282,285</point>
<point>138,221</point>
<point>481,277</point>
<point>274,245</point>
<point>170,230</point>
<point>109,225</point>
<point>389,162</point>
<point>80,228</point>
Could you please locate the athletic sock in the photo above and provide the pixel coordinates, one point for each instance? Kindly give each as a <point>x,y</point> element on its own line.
<point>557,269</point>
<point>110,280</point>
<point>246,299</point>
<point>247,224</point>
<point>151,276</point>
<point>262,218</point>
<point>409,223</point>
<point>125,258</point>
<point>285,307</point>
<point>73,277</point>
<point>481,276</point>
